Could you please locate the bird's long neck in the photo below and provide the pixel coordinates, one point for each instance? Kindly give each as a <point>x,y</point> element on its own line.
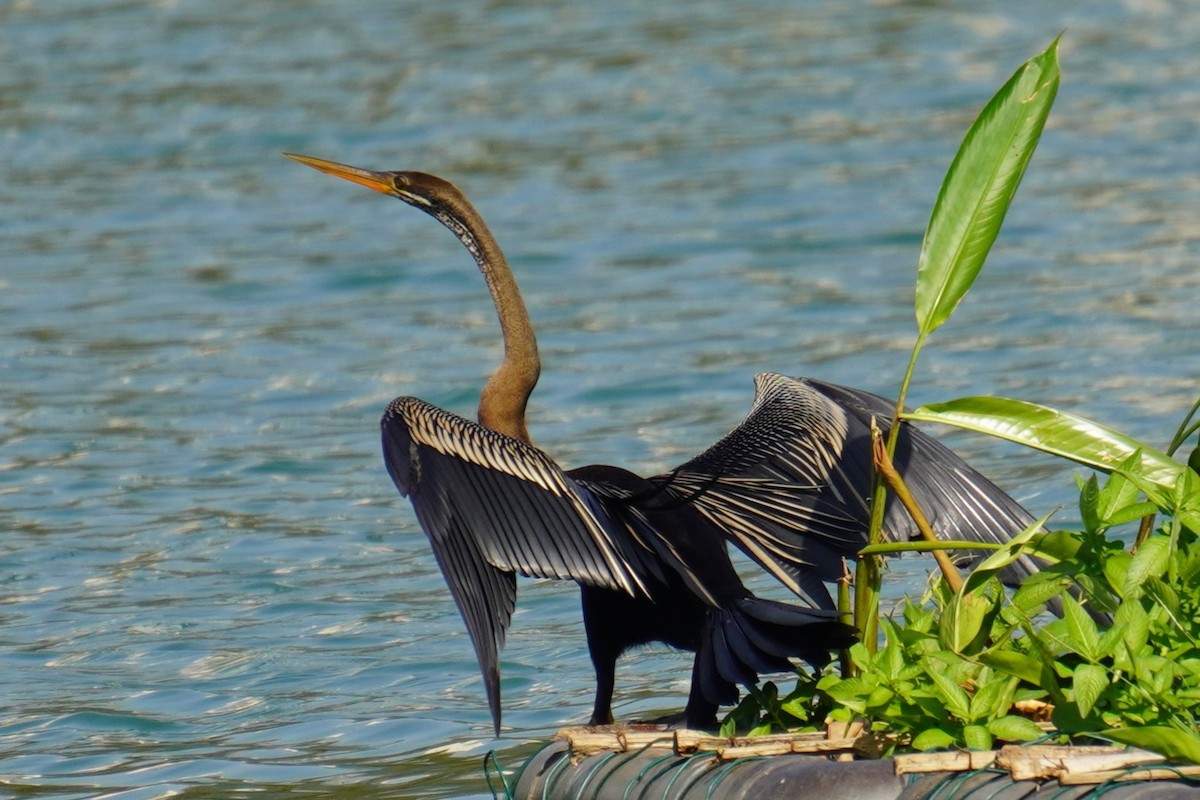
<point>502,402</point>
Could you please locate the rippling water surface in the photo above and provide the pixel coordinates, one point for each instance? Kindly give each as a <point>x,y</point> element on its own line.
<point>208,585</point>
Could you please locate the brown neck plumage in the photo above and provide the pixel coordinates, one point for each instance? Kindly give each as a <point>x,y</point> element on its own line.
<point>502,402</point>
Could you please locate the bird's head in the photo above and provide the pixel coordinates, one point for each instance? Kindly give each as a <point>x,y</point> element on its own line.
<point>418,189</point>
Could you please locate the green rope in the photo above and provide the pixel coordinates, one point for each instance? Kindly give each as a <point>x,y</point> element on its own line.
<point>520,772</point>
<point>638,778</point>
<point>553,773</point>
<point>491,756</point>
<point>629,756</point>
<point>705,764</point>
<point>1112,783</point>
<point>956,780</point>
<point>599,766</point>
<point>725,770</point>
<point>1000,780</point>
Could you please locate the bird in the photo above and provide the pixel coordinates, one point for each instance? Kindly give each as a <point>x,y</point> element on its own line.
<point>789,486</point>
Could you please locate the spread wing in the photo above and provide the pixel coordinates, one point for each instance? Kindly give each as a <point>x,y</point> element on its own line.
<point>493,506</point>
<point>791,484</point>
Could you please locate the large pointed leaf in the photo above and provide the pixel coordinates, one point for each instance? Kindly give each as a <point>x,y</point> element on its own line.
<point>979,187</point>
<point>1051,431</point>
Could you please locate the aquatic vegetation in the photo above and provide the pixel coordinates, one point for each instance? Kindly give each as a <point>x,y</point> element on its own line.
<point>969,665</point>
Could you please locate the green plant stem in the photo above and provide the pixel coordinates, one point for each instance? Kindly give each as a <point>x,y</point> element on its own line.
<point>883,465</point>
<point>1185,429</point>
<point>868,574</point>
<point>845,604</point>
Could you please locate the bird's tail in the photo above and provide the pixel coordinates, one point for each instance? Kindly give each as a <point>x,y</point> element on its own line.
<point>754,636</point>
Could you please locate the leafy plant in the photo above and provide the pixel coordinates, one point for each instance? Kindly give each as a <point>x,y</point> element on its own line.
<point>1121,661</point>
<point>970,207</point>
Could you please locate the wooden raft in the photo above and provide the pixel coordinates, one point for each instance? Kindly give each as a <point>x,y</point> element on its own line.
<point>1068,764</point>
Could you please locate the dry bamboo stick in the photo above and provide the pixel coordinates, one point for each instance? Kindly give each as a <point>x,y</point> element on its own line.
<point>948,761</point>
<point>1136,774</point>
<point>1027,762</point>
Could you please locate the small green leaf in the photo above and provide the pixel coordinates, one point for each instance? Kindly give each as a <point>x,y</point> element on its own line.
<point>955,698</point>
<point>1037,590</point>
<point>932,739</point>
<point>880,697</point>
<point>1019,665</point>
<point>1013,728</point>
<point>1150,561</point>
<point>1083,636</point>
<point>1013,549</point>
<point>993,696</point>
<point>1118,491</point>
<point>1134,623</point>
<point>1089,498</point>
<point>1187,489</point>
<point>977,737</point>
<point>1116,569</point>
<point>1171,742</point>
<point>849,692</point>
<point>1088,683</point>
<point>963,621</point>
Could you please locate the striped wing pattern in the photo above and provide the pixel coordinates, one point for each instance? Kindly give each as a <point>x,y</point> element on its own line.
<point>493,506</point>
<point>514,504</point>
<point>791,484</point>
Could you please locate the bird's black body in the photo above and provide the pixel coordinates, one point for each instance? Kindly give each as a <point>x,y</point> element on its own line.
<point>651,566</point>
<point>699,605</point>
<point>789,486</point>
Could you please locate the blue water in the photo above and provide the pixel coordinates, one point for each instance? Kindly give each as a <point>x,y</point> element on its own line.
<point>208,585</point>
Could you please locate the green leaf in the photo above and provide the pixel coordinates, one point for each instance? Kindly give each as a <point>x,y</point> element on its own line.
<point>1019,665</point>
<point>952,695</point>
<point>932,739</point>
<point>1187,489</point>
<point>979,187</point>
<point>993,696</point>
<point>1088,683</point>
<point>1150,561</point>
<point>1171,742</point>
<point>1008,553</point>
<point>1038,590</point>
<point>1051,431</point>
<point>880,697</point>
<point>1084,637</point>
<point>850,692</point>
<point>1089,498</point>
<point>977,737</point>
<point>1131,512</point>
<point>1116,569</point>
<point>1012,728</point>
<point>963,627</point>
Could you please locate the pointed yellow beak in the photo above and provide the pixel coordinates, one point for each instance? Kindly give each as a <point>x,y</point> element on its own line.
<point>379,181</point>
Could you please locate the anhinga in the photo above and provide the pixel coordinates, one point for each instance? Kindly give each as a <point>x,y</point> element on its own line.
<point>789,486</point>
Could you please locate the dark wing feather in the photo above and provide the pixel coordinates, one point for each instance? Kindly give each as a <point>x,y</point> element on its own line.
<point>959,502</point>
<point>774,485</point>
<point>493,506</point>
<point>791,484</point>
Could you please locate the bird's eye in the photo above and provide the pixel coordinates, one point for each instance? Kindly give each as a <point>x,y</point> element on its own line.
<point>400,182</point>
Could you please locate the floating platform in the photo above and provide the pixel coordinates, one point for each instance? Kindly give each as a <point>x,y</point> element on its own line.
<point>639,764</point>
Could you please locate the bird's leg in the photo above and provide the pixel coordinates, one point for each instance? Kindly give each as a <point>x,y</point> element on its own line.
<point>604,652</point>
<point>606,676</point>
<point>701,713</point>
